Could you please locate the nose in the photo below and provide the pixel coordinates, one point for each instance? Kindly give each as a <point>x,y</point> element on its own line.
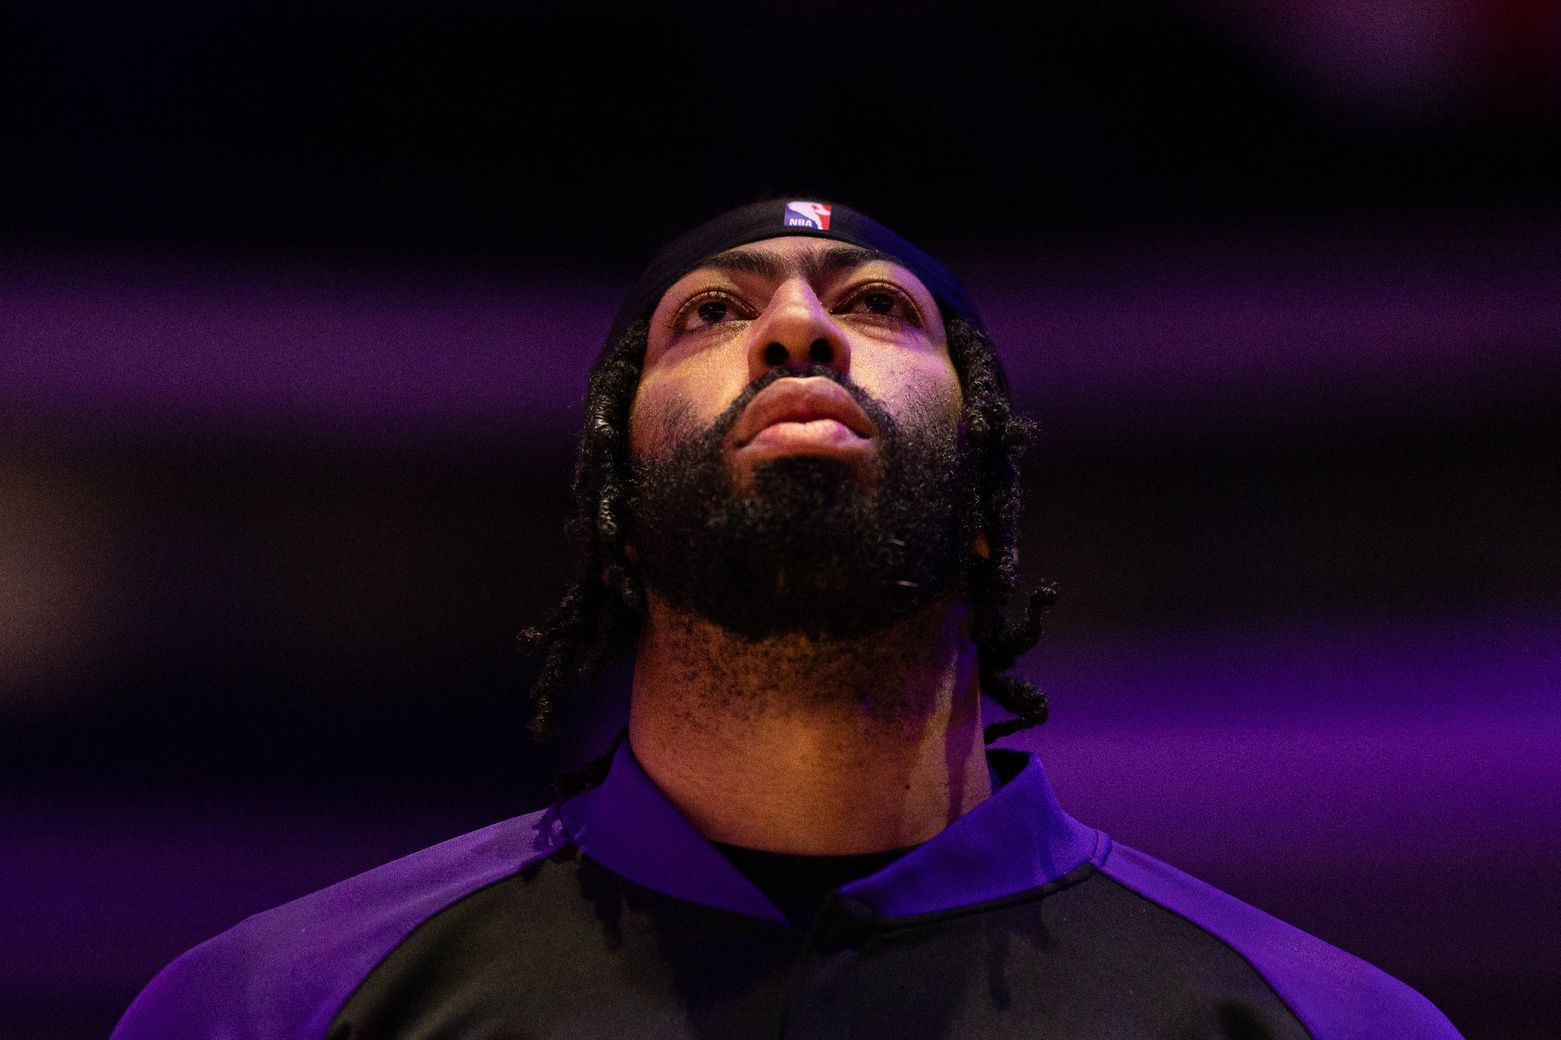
<point>796,330</point>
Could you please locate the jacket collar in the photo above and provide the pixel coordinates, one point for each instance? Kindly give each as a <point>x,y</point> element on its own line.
<point>1016,840</point>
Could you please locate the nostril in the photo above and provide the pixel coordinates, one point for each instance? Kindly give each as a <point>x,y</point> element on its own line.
<point>775,354</point>
<point>820,352</point>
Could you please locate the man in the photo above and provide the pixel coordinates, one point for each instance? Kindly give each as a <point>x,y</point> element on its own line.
<point>797,503</point>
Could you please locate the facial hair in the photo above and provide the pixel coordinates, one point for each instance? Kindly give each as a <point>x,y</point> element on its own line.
<point>809,547</point>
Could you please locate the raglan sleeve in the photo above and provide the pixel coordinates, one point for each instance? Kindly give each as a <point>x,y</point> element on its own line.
<point>199,996</point>
<point>1336,996</point>
<point>284,973</point>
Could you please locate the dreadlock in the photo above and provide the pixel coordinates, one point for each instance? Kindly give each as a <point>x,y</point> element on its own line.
<point>600,614</point>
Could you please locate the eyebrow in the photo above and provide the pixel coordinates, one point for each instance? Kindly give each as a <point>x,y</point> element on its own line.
<point>812,266</point>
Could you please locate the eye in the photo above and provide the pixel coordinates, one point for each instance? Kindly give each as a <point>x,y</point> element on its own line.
<point>705,310</point>
<point>883,301</point>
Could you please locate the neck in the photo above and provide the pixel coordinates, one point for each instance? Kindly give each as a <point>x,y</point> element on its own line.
<point>806,746</point>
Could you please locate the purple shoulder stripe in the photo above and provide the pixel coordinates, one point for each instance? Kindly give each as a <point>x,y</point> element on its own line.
<point>1336,996</point>
<point>283,974</point>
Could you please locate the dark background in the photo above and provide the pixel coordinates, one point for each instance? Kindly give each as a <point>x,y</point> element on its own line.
<point>296,303</point>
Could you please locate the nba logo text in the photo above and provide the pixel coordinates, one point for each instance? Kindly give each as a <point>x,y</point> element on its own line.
<point>813,215</point>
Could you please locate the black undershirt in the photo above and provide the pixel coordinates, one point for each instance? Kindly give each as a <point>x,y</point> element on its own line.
<point>797,884</point>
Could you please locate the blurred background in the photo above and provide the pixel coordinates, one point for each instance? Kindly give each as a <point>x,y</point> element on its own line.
<point>296,305</point>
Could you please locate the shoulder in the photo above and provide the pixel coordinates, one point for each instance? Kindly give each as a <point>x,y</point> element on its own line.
<point>283,973</point>
<point>1335,995</point>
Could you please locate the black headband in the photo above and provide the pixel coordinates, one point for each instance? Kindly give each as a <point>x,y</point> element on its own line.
<point>772,219</point>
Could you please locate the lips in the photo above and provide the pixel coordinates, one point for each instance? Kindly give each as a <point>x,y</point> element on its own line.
<point>801,400</point>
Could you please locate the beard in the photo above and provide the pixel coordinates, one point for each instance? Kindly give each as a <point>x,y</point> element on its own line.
<point>809,547</point>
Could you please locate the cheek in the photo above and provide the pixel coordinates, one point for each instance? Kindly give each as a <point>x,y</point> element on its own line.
<point>927,386</point>
<point>673,405</point>
<point>656,423</point>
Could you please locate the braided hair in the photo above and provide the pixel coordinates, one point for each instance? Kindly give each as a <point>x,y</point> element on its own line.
<point>600,614</point>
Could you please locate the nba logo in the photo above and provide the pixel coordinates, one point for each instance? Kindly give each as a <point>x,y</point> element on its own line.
<point>813,215</point>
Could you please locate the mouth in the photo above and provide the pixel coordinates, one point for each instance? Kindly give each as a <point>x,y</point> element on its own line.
<point>811,413</point>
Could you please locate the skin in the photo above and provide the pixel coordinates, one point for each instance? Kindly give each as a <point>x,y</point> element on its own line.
<point>791,744</point>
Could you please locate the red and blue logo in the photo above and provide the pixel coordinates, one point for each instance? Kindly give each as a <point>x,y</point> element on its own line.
<point>813,215</point>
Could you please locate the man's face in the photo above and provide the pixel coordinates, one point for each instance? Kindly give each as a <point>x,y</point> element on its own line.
<point>790,302</point>
<point>796,446</point>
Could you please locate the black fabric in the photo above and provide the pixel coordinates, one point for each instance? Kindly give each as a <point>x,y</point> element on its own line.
<point>796,884</point>
<point>574,950</point>
<point>571,949</point>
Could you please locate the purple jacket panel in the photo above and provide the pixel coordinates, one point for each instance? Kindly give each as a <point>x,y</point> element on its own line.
<point>629,826</point>
<point>1017,840</point>
<point>283,974</point>
<point>1336,996</point>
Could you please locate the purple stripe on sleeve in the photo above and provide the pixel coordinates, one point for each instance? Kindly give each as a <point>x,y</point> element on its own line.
<point>283,974</point>
<point>1336,996</point>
